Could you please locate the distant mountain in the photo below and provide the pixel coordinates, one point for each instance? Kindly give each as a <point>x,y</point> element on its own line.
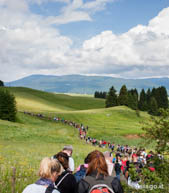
<point>85,84</point>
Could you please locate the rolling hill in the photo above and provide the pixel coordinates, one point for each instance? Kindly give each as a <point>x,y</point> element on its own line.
<point>112,122</point>
<point>24,143</point>
<point>36,100</point>
<point>85,84</point>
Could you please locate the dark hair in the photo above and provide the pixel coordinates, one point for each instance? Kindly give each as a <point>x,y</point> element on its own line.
<point>87,159</point>
<point>97,164</point>
<point>63,158</point>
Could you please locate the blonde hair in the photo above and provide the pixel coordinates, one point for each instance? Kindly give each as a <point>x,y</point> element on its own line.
<point>48,166</point>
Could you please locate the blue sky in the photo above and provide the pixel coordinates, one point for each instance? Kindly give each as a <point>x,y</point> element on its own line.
<point>121,38</point>
<point>118,16</point>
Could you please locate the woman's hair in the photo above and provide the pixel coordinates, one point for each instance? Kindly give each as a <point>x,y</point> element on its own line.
<point>63,158</point>
<point>48,166</point>
<point>87,158</point>
<point>97,164</point>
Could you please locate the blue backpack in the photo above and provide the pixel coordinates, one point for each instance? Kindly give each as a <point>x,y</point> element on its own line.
<point>80,174</point>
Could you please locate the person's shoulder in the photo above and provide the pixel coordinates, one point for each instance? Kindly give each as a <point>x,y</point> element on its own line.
<point>34,187</point>
<point>55,191</point>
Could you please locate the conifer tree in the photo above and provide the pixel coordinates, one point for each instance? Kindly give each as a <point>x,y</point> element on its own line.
<point>143,101</point>
<point>123,96</point>
<point>153,107</point>
<point>132,101</point>
<point>148,98</point>
<point>111,99</point>
<point>1,83</point>
<point>7,105</point>
<point>162,97</point>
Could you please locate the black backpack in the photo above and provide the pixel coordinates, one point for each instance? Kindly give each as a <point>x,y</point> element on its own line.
<point>80,174</point>
<point>50,189</point>
<point>117,167</point>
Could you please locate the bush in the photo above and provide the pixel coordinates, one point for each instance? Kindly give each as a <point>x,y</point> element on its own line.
<point>157,129</point>
<point>7,105</point>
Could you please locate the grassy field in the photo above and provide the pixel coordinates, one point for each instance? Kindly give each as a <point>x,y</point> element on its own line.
<point>24,143</point>
<point>35,100</point>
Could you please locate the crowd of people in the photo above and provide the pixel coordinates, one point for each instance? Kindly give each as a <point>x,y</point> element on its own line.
<point>100,172</point>
<point>58,173</point>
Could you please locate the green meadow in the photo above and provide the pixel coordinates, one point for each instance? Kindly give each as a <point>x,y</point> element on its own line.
<point>24,143</point>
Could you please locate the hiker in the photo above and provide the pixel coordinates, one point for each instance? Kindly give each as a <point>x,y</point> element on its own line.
<point>69,150</point>
<point>48,172</point>
<point>66,182</point>
<point>97,174</point>
<point>109,163</point>
<point>117,167</point>
<point>81,170</point>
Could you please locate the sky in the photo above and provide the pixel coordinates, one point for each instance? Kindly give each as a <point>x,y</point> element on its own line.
<point>119,38</point>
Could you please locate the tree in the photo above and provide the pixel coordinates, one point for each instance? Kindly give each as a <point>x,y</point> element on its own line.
<point>132,101</point>
<point>153,107</point>
<point>98,94</point>
<point>157,131</point>
<point>123,96</point>
<point>142,104</point>
<point>7,105</point>
<point>162,97</point>
<point>111,99</point>
<point>1,83</point>
<point>148,98</point>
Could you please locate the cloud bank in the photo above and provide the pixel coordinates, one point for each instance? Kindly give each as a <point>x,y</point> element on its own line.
<point>31,44</point>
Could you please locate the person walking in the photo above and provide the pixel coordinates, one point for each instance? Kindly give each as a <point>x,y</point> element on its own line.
<point>49,171</point>
<point>97,177</point>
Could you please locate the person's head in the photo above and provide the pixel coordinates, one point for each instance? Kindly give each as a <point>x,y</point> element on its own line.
<point>49,169</point>
<point>97,164</point>
<point>68,150</point>
<point>87,159</point>
<point>63,158</point>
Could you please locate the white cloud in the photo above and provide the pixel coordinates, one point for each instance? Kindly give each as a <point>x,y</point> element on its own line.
<point>128,53</point>
<point>97,5</point>
<point>78,10</point>
<point>30,45</point>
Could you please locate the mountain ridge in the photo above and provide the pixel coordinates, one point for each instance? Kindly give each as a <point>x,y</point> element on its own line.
<point>85,84</point>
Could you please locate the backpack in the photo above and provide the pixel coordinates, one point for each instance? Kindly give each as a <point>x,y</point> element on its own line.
<point>56,185</point>
<point>117,167</point>
<point>99,185</point>
<point>80,174</point>
<point>101,188</point>
<point>50,189</point>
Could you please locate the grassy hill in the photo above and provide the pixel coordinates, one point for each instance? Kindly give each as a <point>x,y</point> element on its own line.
<point>89,111</point>
<point>24,143</point>
<point>35,100</point>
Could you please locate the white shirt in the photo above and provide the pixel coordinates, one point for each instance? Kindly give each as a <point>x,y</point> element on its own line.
<point>34,188</point>
<point>71,164</point>
<point>110,167</point>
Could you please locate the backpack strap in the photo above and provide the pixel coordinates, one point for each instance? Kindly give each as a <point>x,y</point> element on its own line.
<point>56,186</point>
<point>50,189</point>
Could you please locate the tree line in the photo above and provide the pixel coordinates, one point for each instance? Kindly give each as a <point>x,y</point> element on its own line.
<point>7,104</point>
<point>100,94</point>
<point>150,100</point>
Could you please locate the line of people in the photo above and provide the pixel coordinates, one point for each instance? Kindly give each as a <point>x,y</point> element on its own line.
<point>124,156</point>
